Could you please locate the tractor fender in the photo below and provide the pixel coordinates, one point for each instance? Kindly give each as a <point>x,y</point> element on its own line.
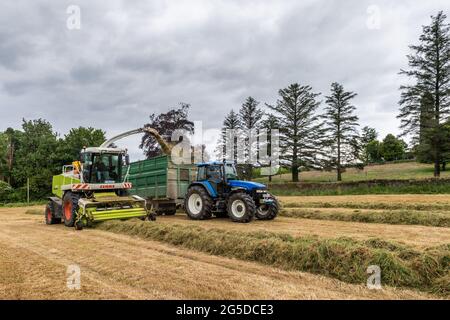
<point>55,200</point>
<point>208,187</point>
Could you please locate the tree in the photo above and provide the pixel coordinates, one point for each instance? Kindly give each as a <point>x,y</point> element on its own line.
<point>268,124</point>
<point>230,123</point>
<point>5,191</point>
<point>13,137</point>
<point>373,151</point>
<point>392,148</point>
<point>166,124</point>
<point>368,135</point>
<point>435,136</point>
<point>3,156</point>
<point>77,139</point>
<point>36,158</point>
<point>249,119</point>
<point>446,144</point>
<point>300,131</point>
<point>340,124</point>
<point>426,122</point>
<point>430,68</point>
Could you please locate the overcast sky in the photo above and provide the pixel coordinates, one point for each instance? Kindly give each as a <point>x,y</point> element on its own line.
<point>132,58</point>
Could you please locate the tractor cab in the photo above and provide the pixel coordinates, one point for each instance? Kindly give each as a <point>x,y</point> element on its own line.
<point>217,174</point>
<point>102,165</point>
<point>224,178</point>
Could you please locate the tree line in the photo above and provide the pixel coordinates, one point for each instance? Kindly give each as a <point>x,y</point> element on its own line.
<point>36,153</point>
<point>308,140</point>
<point>332,141</point>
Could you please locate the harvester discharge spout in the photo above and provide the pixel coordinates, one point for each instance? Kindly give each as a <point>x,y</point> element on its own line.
<point>166,147</point>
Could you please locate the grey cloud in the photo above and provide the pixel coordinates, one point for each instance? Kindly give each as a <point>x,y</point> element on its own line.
<point>131,59</point>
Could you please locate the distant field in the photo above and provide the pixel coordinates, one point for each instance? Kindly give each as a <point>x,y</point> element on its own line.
<point>406,170</point>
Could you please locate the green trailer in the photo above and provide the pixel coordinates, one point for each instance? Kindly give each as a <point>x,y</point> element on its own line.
<point>161,182</point>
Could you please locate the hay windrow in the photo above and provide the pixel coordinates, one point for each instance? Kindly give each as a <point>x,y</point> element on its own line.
<point>35,211</point>
<point>409,217</point>
<point>370,205</point>
<point>342,258</point>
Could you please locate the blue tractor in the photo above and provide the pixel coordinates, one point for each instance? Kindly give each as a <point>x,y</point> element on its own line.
<point>217,190</point>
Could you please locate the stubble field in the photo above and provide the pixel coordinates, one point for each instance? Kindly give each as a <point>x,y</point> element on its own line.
<point>319,247</point>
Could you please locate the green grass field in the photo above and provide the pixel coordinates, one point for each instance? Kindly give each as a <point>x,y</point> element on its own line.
<point>405,170</point>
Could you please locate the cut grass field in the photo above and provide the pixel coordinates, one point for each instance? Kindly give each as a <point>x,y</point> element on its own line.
<point>427,210</point>
<point>405,170</point>
<point>22,204</point>
<point>301,256</point>
<point>419,237</point>
<point>430,218</point>
<point>406,201</point>
<point>412,247</point>
<point>120,266</point>
<point>342,258</point>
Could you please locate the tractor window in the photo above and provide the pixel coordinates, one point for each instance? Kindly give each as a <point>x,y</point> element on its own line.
<point>105,168</point>
<point>213,173</point>
<point>230,172</point>
<point>201,175</point>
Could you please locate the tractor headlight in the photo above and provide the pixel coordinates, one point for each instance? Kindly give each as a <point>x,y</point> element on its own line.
<point>261,191</point>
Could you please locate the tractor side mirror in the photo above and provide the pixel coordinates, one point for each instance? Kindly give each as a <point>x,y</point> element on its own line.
<point>127,159</point>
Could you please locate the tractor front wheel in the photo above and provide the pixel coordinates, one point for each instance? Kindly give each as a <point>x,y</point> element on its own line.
<point>70,208</point>
<point>50,214</point>
<point>241,207</point>
<point>268,211</point>
<point>198,204</point>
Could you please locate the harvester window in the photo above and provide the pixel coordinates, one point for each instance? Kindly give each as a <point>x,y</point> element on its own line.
<point>105,168</point>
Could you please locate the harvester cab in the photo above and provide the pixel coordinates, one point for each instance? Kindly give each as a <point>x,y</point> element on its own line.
<point>101,165</point>
<point>95,187</point>
<point>219,191</point>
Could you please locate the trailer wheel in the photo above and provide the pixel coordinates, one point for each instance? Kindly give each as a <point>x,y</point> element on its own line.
<point>197,203</point>
<point>50,214</point>
<point>241,207</point>
<point>268,212</point>
<point>70,207</point>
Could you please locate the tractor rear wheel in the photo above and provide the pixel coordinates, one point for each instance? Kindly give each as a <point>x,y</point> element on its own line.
<point>50,214</point>
<point>241,207</point>
<point>268,212</point>
<point>70,208</point>
<point>197,203</point>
